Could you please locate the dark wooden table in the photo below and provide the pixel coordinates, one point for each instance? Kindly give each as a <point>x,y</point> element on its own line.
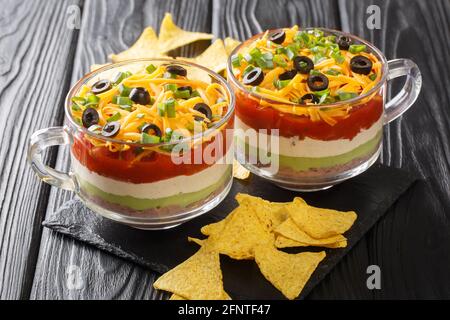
<point>42,55</point>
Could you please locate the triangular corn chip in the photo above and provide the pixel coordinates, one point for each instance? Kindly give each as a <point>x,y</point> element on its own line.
<point>283,242</point>
<point>290,230</point>
<point>287,272</point>
<point>147,46</point>
<point>241,234</point>
<point>172,37</point>
<point>320,223</point>
<point>176,297</point>
<point>230,44</point>
<point>197,278</point>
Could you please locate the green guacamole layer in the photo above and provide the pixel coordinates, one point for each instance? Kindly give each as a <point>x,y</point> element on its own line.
<point>179,200</point>
<point>305,163</point>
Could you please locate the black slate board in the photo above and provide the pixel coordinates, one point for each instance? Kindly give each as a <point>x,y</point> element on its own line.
<point>371,194</point>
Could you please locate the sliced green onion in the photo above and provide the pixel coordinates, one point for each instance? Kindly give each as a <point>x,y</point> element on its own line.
<point>255,53</point>
<point>248,69</point>
<point>124,90</point>
<point>279,60</point>
<point>92,98</point>
<point>333,72</point>
<point>373,76</point>
<point>120,76</point>
<point>168,75</point>
<point>116,116</point>
<point>290,54</point>
<point>314,72</point>
<point>338,57</point>
<point>75,107</point>
<point>248,58</point>
<point>161,109</point>
<point>279,84</point>
<point>170,87</point>
<point>170,108</point>
<point>124,101</point>
<point>355,48</point>
<point>184,94</point>
<point>95,128</point>
<point>140,115</point>
<point>126,108</point>
<point>79,100</point>
<point>236,60</point>
<point>149,138</point>
<point>195,94</point>
<point>346,95</point>
<point>150,68</point>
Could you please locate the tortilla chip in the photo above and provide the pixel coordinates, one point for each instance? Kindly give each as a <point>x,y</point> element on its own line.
<point>172,37</point>
<point>230,44</point>
<point>200,242</point>
<point>290,230</point>
<point>283,242</point>
<point>271,214</point>
<point>239,172</point>
<point>214,57</point>
<point>287,272</point>
<point>176,297</point>
<point>216,227</point>
<point>241,234</point>
<point>320,223</point>
<point>197,278</point>
<point>147,46</point>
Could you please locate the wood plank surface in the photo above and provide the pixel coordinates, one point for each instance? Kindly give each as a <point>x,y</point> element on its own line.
<point>35,65</point>
<point>418,141</point>
<point>105,276</point>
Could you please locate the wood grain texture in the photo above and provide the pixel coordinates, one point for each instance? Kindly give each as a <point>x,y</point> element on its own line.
<point>418,141</point>
<point>35,64</point>
<point>241,19</point>
<point>105,276</point>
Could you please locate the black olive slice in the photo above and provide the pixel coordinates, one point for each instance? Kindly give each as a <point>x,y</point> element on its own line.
<point>287,75</point>
<point>254,77</point>
<point>176,69</point>
<point>317,82</point>
<point>309,98</point>
<point>101,86</point>
<point>89,117</point>
<point>152,129</point>
<point>140,95</point>
<point>303,64</point>
<point>111,129</point>
<point>344,42</point>
<point>361,65</point>
<point>278,37</point>
<point>203,108</point>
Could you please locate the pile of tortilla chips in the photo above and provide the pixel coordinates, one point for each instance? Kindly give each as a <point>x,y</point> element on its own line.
<point>255,230</point>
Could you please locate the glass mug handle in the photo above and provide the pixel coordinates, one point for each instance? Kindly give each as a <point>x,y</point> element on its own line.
<point>410,91</point>
<point>41,140</point>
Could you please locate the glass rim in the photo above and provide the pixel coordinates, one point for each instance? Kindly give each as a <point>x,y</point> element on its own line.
<point>354,100</point>
<point>215,76</point>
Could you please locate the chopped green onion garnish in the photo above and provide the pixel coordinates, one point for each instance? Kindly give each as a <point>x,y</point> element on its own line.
<point>168,75</point>
<point>255,53</point>
<point>355,48</point>
<point>170,87</point>
<point>161,109</point>
<point>95,128</point>
<point>279,60</point>
<point>236,60</point>
<point>338,57</point>
<point>248,69</point>
<point>184,94</point>
<point>314,72</point>
<point>373,76</point>
<point>346,95</point>
<point>124,101</point>
<point>120,76</point>
<point>92,98</point>
<point>124,90</point>
<point>279,84</point>
<point>126,107</point>
<point>170,108</point>
<point>140,115</point>
<point>116,116</point>
<point>333,72</point>
<point>75,107</point>
<point>149,138</point>
<point>195,94</point>
<point>79,100</point>
<point>150,68</point>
